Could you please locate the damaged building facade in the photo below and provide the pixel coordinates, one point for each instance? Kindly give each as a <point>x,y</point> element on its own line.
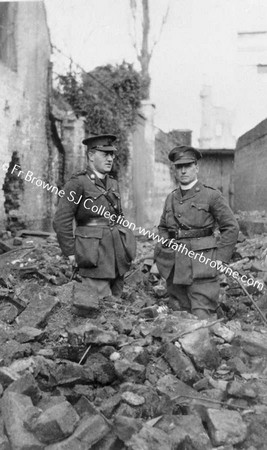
<point>24,72</point>
<point>41,136</point>
<point>250,169</point>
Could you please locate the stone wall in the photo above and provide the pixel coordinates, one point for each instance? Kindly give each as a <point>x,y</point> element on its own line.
<point>24,69</point>
<point>250,169</point>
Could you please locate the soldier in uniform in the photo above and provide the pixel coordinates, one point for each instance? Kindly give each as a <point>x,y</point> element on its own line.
<point>189,256</point>
<point>87,222</point>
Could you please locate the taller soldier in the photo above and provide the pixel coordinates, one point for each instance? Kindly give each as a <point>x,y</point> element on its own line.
<point>189,217</point>
<point>100,247</point>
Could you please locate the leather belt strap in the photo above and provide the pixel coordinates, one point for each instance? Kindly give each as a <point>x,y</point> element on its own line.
<point>187,234</point>
<point>98,222</point>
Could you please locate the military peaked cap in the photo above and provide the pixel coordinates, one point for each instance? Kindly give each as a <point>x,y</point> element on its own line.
<point>182,154</point>
<point>102,142</point>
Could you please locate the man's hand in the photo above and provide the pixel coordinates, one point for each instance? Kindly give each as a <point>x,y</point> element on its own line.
<point>72,260</point>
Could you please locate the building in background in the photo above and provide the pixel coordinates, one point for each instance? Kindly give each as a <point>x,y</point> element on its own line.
<point>220,126</point>
<point>251,78</point>
<point>216,123</point>
<point>250,181</point>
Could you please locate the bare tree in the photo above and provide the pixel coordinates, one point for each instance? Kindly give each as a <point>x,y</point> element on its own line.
<point>144,51</point>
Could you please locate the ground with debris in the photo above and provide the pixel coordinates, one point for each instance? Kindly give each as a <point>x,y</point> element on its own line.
<point>132,374</point>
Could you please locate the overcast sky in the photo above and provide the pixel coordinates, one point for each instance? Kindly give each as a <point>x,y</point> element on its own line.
<point>198,45</point>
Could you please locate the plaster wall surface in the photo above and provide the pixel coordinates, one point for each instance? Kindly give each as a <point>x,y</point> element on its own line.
<point>24,108</point>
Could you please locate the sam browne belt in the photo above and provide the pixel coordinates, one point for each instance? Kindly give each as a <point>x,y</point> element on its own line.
<point>98,221</point>
<point>192,233</point>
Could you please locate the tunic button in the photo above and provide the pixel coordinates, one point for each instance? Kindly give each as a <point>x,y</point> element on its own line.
<point>179,215</point>
<point>181,203</point>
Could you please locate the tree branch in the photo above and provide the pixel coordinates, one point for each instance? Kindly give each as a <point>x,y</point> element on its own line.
<point>163,22</point>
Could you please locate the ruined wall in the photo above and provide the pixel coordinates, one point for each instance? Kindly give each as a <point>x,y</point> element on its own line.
<point>164,173</point>
<point>217,169</point>
<point>143,162</point>
<point>24,69</point>
<point>147,180</point>
<point>250,169</point>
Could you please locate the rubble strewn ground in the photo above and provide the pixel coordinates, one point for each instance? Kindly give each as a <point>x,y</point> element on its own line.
<point>132,373</point>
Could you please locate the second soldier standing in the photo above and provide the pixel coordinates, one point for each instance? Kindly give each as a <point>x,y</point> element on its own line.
<point>101,248</point>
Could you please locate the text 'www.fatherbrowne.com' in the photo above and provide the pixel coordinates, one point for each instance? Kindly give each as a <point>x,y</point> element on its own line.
<point>120,220</point>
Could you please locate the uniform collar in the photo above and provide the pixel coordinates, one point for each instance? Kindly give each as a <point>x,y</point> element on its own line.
<point>106,182</point>
<point>187,187</point>
<point>101,176</point>
<point>190,193</point>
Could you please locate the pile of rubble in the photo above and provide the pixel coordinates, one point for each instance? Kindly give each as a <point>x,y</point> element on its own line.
<point>132,374</point>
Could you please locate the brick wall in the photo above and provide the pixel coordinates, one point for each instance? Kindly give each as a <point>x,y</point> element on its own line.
<point>250,181</point>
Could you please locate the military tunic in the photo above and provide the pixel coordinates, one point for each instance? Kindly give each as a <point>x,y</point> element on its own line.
<point>201,208</point>
<point>103,248</point>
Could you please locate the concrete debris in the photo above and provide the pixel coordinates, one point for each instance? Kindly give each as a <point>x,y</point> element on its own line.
<point>150,438</point>
<point>38,311</point>
<point>225,427</point>
<point>181,364</point>
<point>27,334</point>
<point>14,408</point>
<point>89,431</point>
<point>26,385</point>
<point>185,431</point>
<point>91,334</point>
<point>130,373</point>
<point>199,346</point>
<point>54,424</point>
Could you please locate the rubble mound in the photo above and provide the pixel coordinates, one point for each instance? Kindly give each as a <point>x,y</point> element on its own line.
<point>129,373</point>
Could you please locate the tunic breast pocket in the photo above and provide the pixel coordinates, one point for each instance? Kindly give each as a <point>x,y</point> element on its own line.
<point>200,213</point>
<point>87,240</point>
<point>92,201</point>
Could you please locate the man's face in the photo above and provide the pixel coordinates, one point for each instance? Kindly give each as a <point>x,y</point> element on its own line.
<point>101,161</point>
<point>187,173</point>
